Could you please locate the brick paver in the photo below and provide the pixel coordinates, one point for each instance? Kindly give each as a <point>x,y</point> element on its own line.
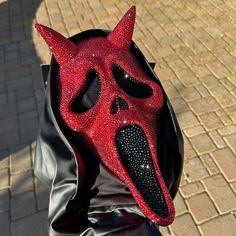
<point>221,193</point>
<point>222,158</point>
<point>193,45</point>
<point>202,207</point>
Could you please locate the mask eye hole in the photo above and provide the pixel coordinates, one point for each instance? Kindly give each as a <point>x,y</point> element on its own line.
<point>129,84</point>
<point>89,95</point>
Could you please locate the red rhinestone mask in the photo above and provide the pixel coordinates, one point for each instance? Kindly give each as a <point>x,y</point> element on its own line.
<point>111,102</point>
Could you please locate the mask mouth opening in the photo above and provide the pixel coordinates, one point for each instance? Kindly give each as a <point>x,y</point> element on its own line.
<point>135,155</point>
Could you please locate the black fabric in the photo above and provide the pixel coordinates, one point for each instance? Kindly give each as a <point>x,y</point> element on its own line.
<point>102,205</point>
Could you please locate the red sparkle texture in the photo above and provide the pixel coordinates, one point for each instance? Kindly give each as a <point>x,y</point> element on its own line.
<point>98,125</point>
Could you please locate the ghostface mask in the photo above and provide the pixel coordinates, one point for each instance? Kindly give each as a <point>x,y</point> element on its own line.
<point>106,97</point>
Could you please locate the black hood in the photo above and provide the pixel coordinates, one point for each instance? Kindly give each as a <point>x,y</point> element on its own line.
<point>102,205</point>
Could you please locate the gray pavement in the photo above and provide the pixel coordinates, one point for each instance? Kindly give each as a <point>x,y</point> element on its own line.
<point>193,44</point>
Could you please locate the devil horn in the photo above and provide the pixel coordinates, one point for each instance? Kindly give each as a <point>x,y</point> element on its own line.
<point>121,36</point>
<point>63,49</point>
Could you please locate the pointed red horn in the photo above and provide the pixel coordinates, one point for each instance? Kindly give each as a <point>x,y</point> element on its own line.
<point>121,36</point>
<point>62,48</point>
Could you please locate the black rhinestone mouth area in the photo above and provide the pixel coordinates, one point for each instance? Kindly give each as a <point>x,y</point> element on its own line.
<point>135,155</point>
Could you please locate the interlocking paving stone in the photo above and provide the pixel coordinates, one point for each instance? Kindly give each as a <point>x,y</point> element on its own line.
<point>2,78</point>
<point>21,72</point>
<point>184,225</point>
<point>4,159</point>
<point>201,207</point>
<point>11,97</point>
<point>221,193</point>
<point>28,126</point>
<point>35,225</point>
<point>4,203</point>
<point>26,105</point>
<point>8,110</point>
<point>22,205</point>
<point>234,186</point>
<point>231,140</point>
<point>210,82</point>
<point>4,177</point>
<point>183,180</point>
<point>227,130</point>
<point>187,77</point>
<point>179,105</point>
<point>20,159</point>
<point>210,164</point>
<point>202,143</point>
<point>180,205</point>
<point>193,131</point>
<point>165,231</point>
<point>187,119</point>
<point>194,169</point>
<point>204,105</point>
<point>222,225</point>
<point>25,93</point>
<point>227,84</point>
<point>202,90</point>
<point>8,125</point>
<point>165,74</point>
<point>192,43</point>
<point>211,121</point>
<point>21,183</point>
<point>200,71</point>
<point>224,117</point>
<point>188,149</point>
<point>217,139</point>
<point>226,161</point>
<point>3,98</point>
<point>218,69</point>
<point>178,63</point>
<point>10,139</point>
<point>191,189</point>
<point>1,56</point>
<point>5,224</point>
<point>231,111</point>
<point>173,93</point>
<point>26,48</point>
<point>18,83</point>
<point>13,55</point>
<point>190,94</point>
<point>232,77</point>
<point>203,58</point>
<point>166,51</point>
<point>223,97</point>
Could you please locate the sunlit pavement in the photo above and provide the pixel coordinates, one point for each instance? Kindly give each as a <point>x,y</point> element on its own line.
<point>193,45</point>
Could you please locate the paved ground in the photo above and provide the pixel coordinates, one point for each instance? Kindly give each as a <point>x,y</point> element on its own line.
<point>193,44</point>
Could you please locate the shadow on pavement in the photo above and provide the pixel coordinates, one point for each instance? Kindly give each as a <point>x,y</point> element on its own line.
<point>24,201</point>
